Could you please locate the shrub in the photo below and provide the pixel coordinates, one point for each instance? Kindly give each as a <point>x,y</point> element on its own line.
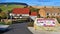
<point>8,22</point>
<point>3,15</point>
<point>2,23</point>
<point>20,21</point>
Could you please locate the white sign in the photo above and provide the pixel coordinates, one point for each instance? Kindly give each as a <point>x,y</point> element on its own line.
<point>45,22</point>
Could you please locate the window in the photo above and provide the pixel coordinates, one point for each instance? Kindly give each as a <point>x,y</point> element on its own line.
<point>54,13</point>
<point>47,13</point>
<point>58,14</point>
<point>20,15</point>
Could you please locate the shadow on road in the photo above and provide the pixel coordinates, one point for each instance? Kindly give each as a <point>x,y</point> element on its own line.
<point>3,31</point>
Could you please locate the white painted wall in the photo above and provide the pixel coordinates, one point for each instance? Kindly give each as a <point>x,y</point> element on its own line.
<point>33,17</point>
<point>25,14</point>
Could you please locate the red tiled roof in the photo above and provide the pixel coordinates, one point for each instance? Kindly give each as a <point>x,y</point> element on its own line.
<point>21,11</point>
<point>33,14</point>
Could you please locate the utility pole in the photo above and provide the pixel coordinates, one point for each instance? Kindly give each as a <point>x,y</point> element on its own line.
<point>6,10</point>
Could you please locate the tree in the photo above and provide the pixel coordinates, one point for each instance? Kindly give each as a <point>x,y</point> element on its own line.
<point>2,15</point>
<point>34,10</point>
<point>9,11</point>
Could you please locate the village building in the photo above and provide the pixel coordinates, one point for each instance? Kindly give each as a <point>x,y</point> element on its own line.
<point>20,12</point>
<point>51,12</point>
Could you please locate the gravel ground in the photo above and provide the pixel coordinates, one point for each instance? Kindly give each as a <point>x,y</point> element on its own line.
<point>41,32</point>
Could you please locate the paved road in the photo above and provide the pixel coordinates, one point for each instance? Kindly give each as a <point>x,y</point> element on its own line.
<point>20,28</point>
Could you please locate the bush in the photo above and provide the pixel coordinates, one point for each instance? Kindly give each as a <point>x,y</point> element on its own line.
<point>2,23</point>
<point>21,21</point>
<point>8,22</point>
<point>3,15</point>
<point>31,24</point>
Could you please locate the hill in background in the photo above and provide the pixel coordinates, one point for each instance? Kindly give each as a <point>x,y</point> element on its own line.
<point>10,6</point>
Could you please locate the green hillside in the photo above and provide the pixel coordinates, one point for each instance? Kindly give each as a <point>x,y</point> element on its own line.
<point>10,7</point>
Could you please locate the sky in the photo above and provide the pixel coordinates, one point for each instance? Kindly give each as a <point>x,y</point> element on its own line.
<point>36,2</point>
